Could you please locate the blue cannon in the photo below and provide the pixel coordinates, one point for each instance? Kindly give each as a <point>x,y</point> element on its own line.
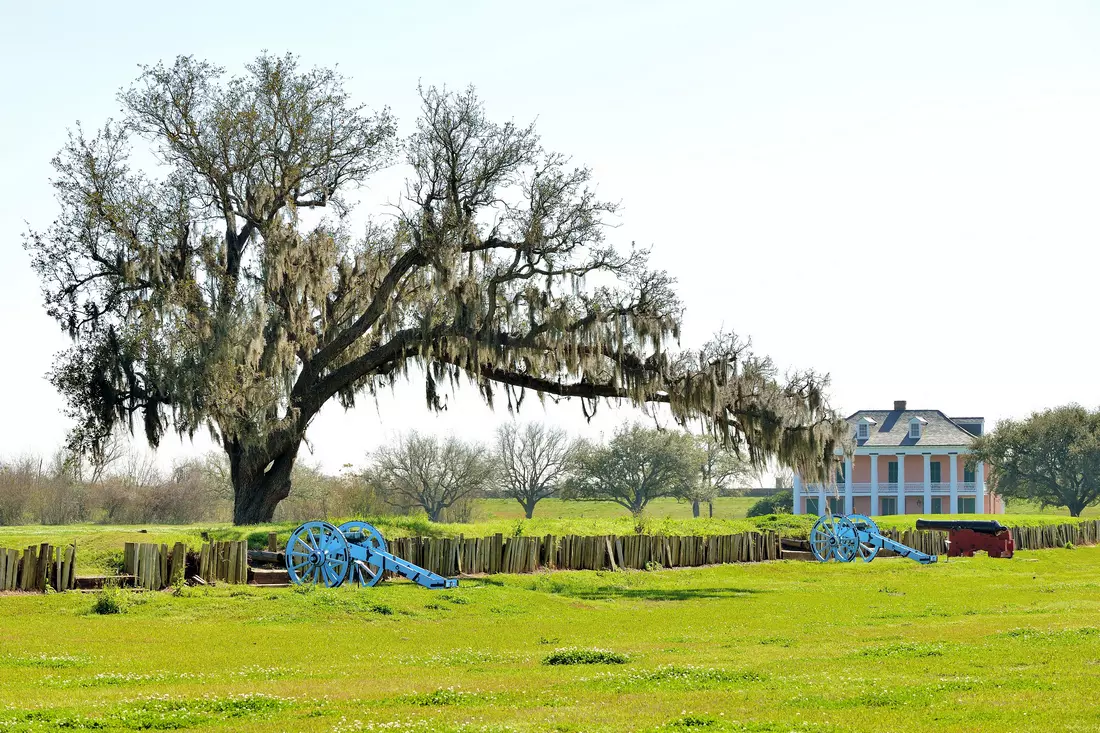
<point>355,552</point>
<point>844,538</point>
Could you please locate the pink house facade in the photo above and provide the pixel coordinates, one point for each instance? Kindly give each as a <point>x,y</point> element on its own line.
<point>905,462</point>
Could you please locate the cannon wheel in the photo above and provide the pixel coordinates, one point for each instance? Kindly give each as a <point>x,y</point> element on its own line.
<point>833,538</point>
<point>365,573</point>
<point>317,553</point>
<point>867,552</point>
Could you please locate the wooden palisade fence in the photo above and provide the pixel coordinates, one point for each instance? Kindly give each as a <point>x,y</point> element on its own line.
<point>499,554</point>
<point>38,567</point>
<point>226,562</point>
<point>157,566</point>
<point>154,566</point>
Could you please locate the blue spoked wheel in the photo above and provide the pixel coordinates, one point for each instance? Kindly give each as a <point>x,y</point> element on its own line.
<point>364,572</point>
<point>317,553</point>
<point>867,552</point>
<point>833,538</point>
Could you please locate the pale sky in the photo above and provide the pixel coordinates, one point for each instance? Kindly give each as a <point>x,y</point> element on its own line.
<point>903,195</point>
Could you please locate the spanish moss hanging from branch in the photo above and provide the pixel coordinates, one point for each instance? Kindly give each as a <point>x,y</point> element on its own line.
<point>201,298</point>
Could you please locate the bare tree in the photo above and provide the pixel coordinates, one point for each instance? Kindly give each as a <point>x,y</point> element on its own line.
<point>534,459</point>
<point>93,465</point>
<point>434,474</point>
<point>197,296</point>
<point>720,469</point>
<point>19,480</point>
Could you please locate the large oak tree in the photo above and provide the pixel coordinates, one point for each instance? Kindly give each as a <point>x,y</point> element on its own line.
<point>1052,458</point>
<point>200,293</point>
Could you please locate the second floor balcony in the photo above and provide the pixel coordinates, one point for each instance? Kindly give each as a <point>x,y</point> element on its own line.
<point>912,488</point>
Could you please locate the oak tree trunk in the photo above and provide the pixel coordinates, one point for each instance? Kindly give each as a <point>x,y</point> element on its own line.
<point>260,481</point>
<point>695,508</point>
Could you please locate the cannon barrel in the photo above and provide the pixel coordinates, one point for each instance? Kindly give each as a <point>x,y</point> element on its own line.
<point>982,526</point>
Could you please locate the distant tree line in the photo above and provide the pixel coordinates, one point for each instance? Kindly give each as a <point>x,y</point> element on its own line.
<point>415,472</point>
<point>133,490</point>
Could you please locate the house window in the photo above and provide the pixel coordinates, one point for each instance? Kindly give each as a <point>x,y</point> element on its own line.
<point>892,473</point>
<point>968,475</point>
<point>937,473</point>
<point>966,505</point>
<point>937,505</point>
<point>836,505</point>
<point>812,507</point>
<point>888,504</point>
<point>862,432</point>
<point>840,473</point>
<point>914,430</point>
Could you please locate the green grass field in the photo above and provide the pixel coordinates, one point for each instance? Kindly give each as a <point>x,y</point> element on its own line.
<point>1026,507</point>
<point>967,645</point>
<point>725,507</point>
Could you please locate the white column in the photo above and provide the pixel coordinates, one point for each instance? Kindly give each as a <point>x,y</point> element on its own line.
<point>848,485</point>
<point>979,486</point>
<point>874,485</point>
<point>927,483</point>
<point>901,483</point>
<point>796,493</point>
<point>821,498</point>
<point>954,458</point>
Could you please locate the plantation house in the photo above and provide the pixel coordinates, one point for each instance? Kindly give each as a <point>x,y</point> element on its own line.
<point>905,462</point>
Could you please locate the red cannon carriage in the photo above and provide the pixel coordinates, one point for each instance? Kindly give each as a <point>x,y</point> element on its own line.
<point>969,536</point>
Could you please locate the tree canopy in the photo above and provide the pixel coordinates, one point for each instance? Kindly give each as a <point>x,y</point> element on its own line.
<point>636,466</point>
<point>198,293</point>
<point>1052,457</point>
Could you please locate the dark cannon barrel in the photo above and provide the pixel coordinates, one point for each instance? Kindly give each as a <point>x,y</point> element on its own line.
<point>985,526</point>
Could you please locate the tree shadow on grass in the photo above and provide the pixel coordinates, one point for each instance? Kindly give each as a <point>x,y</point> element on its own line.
<point>656,594</point>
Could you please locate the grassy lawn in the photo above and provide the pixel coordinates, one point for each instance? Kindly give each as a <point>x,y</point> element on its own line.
<point>1016,506</point>
<point>725,507</point>
<point>967,645</point>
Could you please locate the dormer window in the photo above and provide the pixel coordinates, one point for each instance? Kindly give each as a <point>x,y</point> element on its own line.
<point>863,428</point>
<point>915,427</point>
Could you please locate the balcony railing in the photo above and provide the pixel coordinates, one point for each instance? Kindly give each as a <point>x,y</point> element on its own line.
<point>890,488</point>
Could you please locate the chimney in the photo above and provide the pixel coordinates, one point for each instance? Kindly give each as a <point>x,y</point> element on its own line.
<point>899,405</point>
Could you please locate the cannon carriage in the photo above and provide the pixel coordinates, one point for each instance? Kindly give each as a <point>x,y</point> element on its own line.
<point>355,552</point>
<point>845,538</point>
<point>967,536</point>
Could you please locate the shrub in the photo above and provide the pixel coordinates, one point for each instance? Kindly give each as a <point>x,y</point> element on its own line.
<point>111,599</point>
<point>781,502</point>
<point>584,656</point>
